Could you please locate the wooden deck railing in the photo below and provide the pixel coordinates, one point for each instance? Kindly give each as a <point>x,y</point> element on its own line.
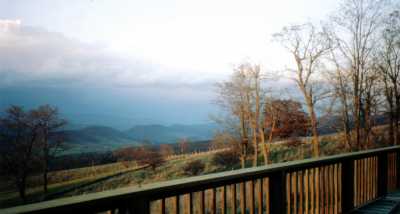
<point>335,184</point>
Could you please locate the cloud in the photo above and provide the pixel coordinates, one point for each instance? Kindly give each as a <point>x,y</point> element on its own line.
<point>35,56</point>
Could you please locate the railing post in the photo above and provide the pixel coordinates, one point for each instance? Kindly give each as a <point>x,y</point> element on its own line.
<point>382,174</point>
<point>347,185</point>
<point>277,191</point>
<point>140,206</point>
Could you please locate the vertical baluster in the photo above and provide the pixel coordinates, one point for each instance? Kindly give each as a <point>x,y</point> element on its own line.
<point>326,185</point>
<point>213,201</point>
<point>306,191</point>
<point>223,200</point>
<point>233,198</point>
<point>190,201</point>
<point>312,187</point>
<point>322,189</point>
<point>294,188</point>
<point>335,186</point>
<point>251,184</point>
<point>391,172</point>
<point>260,196</point>
<point>372,178</point>
<point>397,180</point>
<point>202,206</point>
<point>331,189</point>
<point>397,170</point>
<point>288,191</point>
<point>317,190</point>
<point>162,210</point>
<point>300,186</point>
<point>267,194</point>
<point>355,182</point>
<point>365,180</point>
<point>374,183</point>
<point>369,174</point>
<point>243,197</point>
<point>361,177</point>
<point>369,178</point>
<point>176,200</point>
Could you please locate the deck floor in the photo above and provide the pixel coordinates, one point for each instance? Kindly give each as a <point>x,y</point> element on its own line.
<point>388,204</point>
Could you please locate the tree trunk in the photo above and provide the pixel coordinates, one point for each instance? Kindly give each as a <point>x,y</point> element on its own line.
<point>45,179</point>
<point>265,146</point>
<point>255,144</point>
<point>21,184</point>
<point>244,140</point>
<point>346,129</point>
<point>314,126</point>
<point>357,123</point>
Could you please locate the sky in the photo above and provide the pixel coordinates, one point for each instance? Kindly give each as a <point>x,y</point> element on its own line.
<point>121,63</point>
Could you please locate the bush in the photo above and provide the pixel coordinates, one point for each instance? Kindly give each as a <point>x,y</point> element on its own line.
<point>228,158</point>
<point>294,142</point>
<point>194,168</point>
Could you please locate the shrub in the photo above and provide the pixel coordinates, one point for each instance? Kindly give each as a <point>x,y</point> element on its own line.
<point>228,158</point>
<point>194,168</point>
<point>293,142</point>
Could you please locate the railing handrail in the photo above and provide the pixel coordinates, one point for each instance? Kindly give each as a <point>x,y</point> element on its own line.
<point>169,188</point>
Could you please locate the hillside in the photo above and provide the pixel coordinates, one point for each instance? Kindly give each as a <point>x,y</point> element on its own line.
<point>171,134</point>
<point>96,139</point>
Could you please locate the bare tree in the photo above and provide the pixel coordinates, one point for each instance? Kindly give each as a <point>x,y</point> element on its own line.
<point>307,45</point>
<point>183,145</point>
<point>50,136</point>
<point>388,61</point>
<point>354,31</point>
<point>166,150</point>
<point>242,96</point>
<point>338,78</point>
<point>19,143</point>
<point>233,97</point>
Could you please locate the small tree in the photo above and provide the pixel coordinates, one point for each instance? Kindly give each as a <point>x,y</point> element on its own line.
<point>166,150</point>
<point>307,45</point>
<point>150,157</point>
<point>221,140</point>
<point>19,156</point>
<point>51,139</point>
<point>284,119</point>
<point>183,145</point>
<point>194,168</point>
<point>226,159</point>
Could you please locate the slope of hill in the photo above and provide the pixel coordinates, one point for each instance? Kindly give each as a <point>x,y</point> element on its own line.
<point>96,134</point>
<point>171,134</point>
<point>96,139</point>
<point>103,138</point>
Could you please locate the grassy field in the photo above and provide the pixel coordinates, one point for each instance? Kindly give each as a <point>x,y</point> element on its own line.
<point>110,176</point>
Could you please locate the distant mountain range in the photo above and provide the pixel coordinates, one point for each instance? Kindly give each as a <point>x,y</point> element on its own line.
<point>101,138</point>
